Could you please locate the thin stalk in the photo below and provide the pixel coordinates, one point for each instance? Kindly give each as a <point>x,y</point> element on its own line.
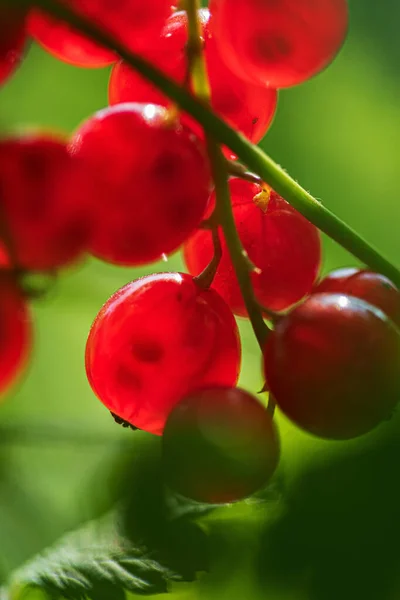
<point>234,245</point>
<point>220,174</point>
<point>252,156</point>
<point>206,277</point>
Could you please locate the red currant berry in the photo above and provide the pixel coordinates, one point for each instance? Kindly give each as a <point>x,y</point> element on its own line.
<point>219,445</point>
<point>372,287</point>
<point>250,108</point>
<point>15,331</point>
<point>135,23</point>
<point>278,43</point>
<point>4,258</point>
<point>153,181</point>
<point>12,39</point>
<point>332,365</point>
<point>155,340</point>
<point>46,201</point>
<point>281,243</point>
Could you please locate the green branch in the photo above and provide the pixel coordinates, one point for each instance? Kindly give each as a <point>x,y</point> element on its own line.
<point>256,160</point>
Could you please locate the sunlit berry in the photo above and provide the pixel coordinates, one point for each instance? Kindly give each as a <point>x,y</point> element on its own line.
<point>152,177</point>
<point>278,43</point>
<point>157,339</point>
<point>281,243</point>
<point>135,23</point>
<point>247,107</point>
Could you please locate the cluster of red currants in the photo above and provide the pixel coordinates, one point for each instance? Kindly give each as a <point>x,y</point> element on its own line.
<point>133,184</point>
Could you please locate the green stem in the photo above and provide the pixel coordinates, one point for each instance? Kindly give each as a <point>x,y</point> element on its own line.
<point>249,154</point>
<point>234,245</point>
<point>196,63</point>
<point>220,175</point>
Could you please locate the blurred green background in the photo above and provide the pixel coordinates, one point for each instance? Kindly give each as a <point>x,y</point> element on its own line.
<point>333,525</point>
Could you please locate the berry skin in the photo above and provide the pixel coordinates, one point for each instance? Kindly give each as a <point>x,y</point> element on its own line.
<point>135,23</point>
<point>279,241</point>
<point>15,331</point>
<point>46,201</point>
<point>153,181</point>
<point>247,107</point>
<point>278,43</point>
<point>4,258</point>
<point>12,39</point>
<point>332,366</point>
<point>219,445</point>
<point>155,340</point>
<point>374,288</point>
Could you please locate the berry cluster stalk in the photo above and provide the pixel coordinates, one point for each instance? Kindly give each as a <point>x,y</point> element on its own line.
<point>220,175</point>
<point>252,156</point>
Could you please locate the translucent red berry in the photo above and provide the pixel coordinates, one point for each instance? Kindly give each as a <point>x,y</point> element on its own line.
<point>281,243</point>
<point>154,341</point>
<point>278,43</point>
<point>135,23</point>
<point>367,285</point>
<point>45,201</point>
<point>332,365</point>
<point>12,39</point>
<point>152,177</point>
<point>15,331</point>
<point>219,445</point>
<point>250,108</point>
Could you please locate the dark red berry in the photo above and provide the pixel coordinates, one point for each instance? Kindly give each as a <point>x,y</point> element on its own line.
<point>135,23</point>
<point>152,178</point>
<point>12,39</point>
<point>15,331</point>
<point>281,243</point>
<point>332,365</point>
<point>154,341</point>
<point>278,43</point>
<point>219,445</point>
<point>249,108</point>
<point>46,201</point>
<point>367,285</point>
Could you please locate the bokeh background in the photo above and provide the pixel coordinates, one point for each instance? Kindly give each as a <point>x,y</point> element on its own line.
<point>330,527</point>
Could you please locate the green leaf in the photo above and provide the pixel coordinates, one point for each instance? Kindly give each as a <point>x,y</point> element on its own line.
<point>94,562</point>
<point>166,523</point>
